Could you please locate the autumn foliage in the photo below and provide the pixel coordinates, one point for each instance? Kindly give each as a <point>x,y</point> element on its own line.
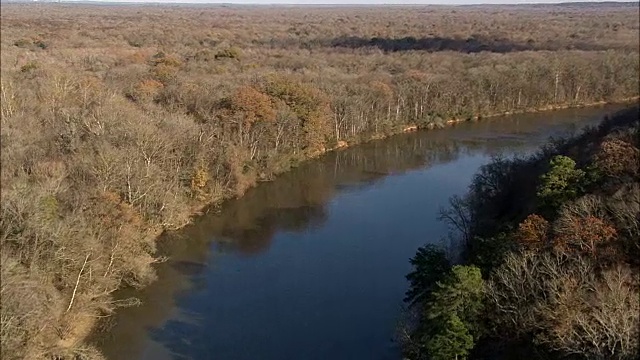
<point>252,105</point>
<point>584,234</point>
<point>117,128</point>
<point>564,284</point>
<point>533,232</point>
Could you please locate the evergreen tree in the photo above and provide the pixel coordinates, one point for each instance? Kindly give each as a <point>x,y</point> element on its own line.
<point>453,341</point>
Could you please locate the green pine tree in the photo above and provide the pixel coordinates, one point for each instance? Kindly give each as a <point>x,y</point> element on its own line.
<point>561,183</point>
<point>453,341</point>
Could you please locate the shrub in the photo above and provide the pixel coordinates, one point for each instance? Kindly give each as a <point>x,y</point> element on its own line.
<point>23,43</point>
<point>29,304</point>
<point>135,40</point>
<point>164,74</point>
<point>161,58</point>
<point>229,53</point>
<point>41,44</point>
<point>138,57</point>
<point>199,182</point>
<point>27,43</point>
<point>28,67</point>
<point>146,90</point>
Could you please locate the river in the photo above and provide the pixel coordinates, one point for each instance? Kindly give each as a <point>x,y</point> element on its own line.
<point>312,265</point>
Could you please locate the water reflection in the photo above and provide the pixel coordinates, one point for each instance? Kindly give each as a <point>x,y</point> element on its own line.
<point>297,204</point>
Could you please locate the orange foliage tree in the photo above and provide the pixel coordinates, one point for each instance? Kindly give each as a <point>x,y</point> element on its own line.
<point>585,234</point>
<point>310,105</point>
<point>252,104</point>
<point>532,232</point>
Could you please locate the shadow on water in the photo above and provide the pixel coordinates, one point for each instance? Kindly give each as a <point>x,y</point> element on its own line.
<point>297,203</point>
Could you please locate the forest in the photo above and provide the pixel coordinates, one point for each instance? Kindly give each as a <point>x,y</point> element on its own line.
<point>551,249</point>
<point>122,122</point>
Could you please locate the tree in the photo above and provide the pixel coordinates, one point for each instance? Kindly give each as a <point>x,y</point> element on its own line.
<point>252,104</point>
<point>430,265</point>
<point>461,293</point>
<point>488,252</point>
<point>253,113</point>
<point>561,183</point>
<point>582,233</point>
<point>532,232</point>
<point>450,320</point>
<point>453,341</point>
<point>310,105</point>
<point>449,308</point>
<point>566,304</point>
<point>618,158</point>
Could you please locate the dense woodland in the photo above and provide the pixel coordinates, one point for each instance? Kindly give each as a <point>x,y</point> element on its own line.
<point>551,253</point>
<point>120,122</point>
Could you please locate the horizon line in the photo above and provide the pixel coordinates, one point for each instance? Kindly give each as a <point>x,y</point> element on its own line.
<point>334,3</point>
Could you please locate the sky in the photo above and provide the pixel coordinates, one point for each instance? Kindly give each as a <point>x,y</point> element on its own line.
<point>307,2</point>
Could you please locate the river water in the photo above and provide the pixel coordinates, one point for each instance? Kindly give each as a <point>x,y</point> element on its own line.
<point>312,265</point>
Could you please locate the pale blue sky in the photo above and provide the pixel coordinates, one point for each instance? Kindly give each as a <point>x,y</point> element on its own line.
<point>343,2</point>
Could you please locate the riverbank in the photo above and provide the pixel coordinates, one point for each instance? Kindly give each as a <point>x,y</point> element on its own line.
<point>554,231</point>
<point>126,129</point>
<point>342,144</point>
<point>452,121</point>
<point>83,323</point>
<point>215,206</point>
<point>366,207</point>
